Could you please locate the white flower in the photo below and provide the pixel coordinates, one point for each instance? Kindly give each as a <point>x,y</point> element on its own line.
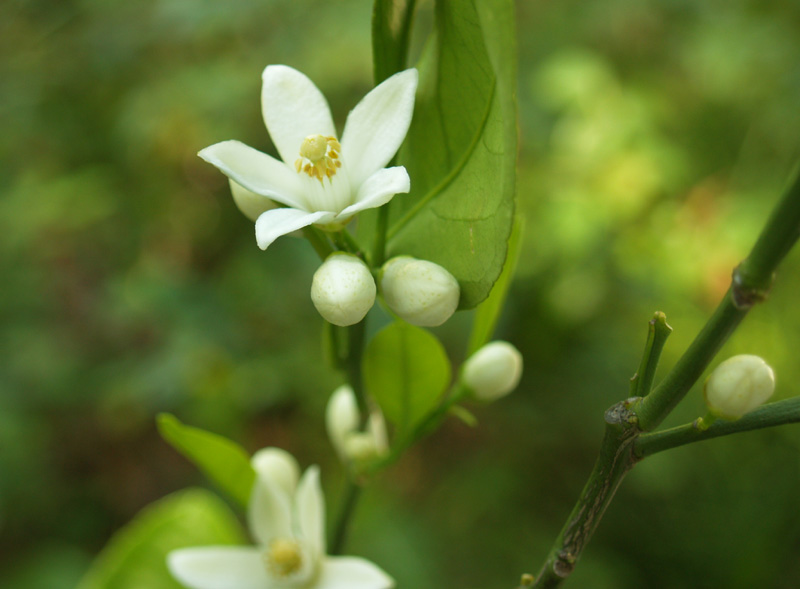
<point>342,420</point>
<point>343,290</point>
<point>738,385</point>
<point>493,371</point>
<point>287,520</point>
<point>418,291</point>
<point>321,180</point>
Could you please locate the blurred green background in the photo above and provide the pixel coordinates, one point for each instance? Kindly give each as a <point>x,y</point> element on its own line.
<point>655,136</point>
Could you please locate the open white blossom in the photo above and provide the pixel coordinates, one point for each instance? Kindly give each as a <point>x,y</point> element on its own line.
<point>321,180</point>
<point>287,520</point>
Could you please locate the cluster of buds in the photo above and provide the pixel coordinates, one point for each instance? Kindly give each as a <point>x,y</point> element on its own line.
<point>419,292</point>
<point>342,420</point>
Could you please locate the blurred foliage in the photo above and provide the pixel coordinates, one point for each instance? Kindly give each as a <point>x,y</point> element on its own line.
<point>655,137</point>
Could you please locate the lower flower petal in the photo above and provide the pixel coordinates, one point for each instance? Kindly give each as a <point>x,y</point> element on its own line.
<point>310,510</point>
<point>379,189</point>
<point>256,171</point>
<point>219,567</point>
<point>350,572</point>
<point>272,224</point>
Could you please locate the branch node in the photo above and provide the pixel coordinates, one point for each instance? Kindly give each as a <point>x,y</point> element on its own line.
<point>745,295</point>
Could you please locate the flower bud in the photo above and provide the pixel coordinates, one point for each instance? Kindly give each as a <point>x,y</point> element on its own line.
<point>738,385</point>
<point>493,371</point>
<point>342,420</point>
<point>278,466</point>
<point>250,203</point>
<point>343,290</point>
<point>418,291</point>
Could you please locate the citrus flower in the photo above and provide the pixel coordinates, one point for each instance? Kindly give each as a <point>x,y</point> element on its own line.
<point>322,180</point>
<point>287,520</point>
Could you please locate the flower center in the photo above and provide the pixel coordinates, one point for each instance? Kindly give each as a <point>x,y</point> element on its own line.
<point>319,157</point>
<point>283,557</point>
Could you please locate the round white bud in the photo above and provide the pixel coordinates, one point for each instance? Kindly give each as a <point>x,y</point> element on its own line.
<point>419,292</point>
<point>493,371</point>
<point>343,290</point>
<point>738,385</point>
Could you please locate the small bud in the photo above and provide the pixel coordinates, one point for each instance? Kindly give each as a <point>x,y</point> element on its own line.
<point>250,203</point>
<point>738,385</point>
<point>493,371</point>
<point>420,292</point>
<point>280,466</point>
<point>342,420</point>
<point>343,290</point>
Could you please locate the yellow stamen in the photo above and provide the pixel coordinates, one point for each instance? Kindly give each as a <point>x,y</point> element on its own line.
<point>283,557</point>
<point>319,157</point>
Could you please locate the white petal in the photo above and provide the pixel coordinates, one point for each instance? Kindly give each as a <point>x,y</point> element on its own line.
<point>250,203</point>
<point>269,513</point>
<point>293,108</point>
<point>376,127</point>
<point>379,189</point>
<point>219,567</point>
<point>272,224</point>
<point>349,572</point>
<point>256,171</point>
<point>279,466</point>
<point>310,510</point>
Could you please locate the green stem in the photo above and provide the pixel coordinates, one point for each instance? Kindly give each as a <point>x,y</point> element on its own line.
<point>657,335</point>
<point>355,350</point>
<point>349,501</point>
<point>771,415</point>
<point>318,241</point>
<point>391,31</point>
<point>379,248</point>
<point>614,461</point>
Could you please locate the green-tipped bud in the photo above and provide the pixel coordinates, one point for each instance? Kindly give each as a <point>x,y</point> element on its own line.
<point>738,385</point>
<point>343,290</point>
<point>493,371</point>
<point>419,292</point>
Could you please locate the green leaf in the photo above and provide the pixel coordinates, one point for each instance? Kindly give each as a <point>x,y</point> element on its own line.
<point>391,28</point>
<point>406,370</point>
<point>461,149</point>
<point>135,557</point>
<point>488,311</point>
<point>223,461</point>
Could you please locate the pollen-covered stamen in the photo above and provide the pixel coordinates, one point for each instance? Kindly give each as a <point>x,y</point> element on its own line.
<point>283,557</point>
<point>319,157</point>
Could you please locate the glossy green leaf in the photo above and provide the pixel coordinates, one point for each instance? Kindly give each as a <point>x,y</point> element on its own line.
<point>135,558</point>
<point>461,149</point>
<point>406,370</point>
<point>223,461</point>
<point>488,311</point>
